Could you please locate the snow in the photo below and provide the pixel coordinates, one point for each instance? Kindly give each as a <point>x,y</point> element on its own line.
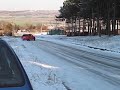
<point>41,75</point>
<point>48,72</point>
<point>104,44</point>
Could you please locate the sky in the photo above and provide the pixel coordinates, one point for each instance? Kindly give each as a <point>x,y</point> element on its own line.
<point>12,5</point>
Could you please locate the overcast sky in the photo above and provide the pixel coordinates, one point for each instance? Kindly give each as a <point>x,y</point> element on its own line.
<point>30,4</point>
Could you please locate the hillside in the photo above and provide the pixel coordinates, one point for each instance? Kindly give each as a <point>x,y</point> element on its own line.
<point>29,13</point>
<point>28,16</point>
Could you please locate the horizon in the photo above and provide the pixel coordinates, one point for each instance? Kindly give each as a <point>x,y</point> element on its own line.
<point>29,10</point>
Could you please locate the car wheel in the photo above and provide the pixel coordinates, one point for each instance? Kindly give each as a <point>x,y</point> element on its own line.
<point>34,39</point>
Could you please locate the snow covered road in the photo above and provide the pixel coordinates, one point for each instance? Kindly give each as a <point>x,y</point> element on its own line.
<point>105,66</point>
<point>55,66</point>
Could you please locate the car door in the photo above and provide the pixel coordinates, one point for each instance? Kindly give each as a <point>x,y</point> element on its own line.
<point>12,74</point>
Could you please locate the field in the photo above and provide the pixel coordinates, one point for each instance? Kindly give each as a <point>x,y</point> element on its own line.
<point>29,17</point>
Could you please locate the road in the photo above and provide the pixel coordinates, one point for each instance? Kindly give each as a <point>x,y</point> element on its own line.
<point>54,65</point>
<point>106,68</point>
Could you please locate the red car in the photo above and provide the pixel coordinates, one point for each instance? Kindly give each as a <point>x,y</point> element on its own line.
<point>28,37</point>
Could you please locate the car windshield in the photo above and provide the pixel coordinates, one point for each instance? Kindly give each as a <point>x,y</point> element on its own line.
<point>10,75</point>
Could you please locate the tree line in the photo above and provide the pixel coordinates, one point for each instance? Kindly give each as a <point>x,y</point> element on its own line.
<point>8,28</point>
<point>96,16</point>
